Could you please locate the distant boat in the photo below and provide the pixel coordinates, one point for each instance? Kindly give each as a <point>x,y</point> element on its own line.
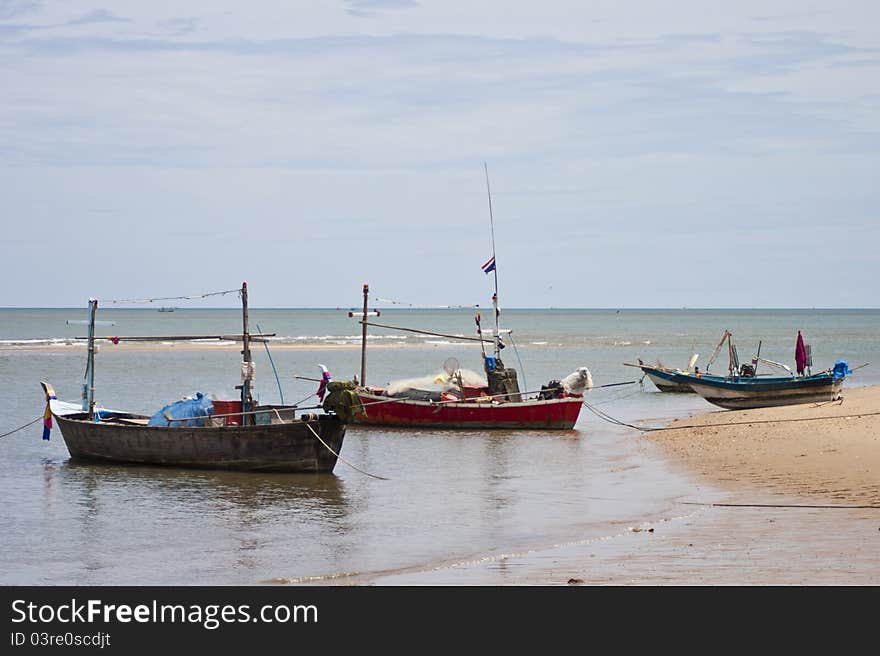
<point>166,309</point>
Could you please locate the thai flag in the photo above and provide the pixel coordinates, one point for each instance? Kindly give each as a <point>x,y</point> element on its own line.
<point>489,266</point>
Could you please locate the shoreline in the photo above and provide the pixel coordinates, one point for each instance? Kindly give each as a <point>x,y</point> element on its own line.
<point>234,346</point>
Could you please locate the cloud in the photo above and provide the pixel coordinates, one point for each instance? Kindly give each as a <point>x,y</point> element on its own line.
<point>97,16</point>
<point>14,30</point>
<point>179,26</point>
<point>374,8</point>
<point>422,100</point>
<point>15,8</point>
<point>688,139</point>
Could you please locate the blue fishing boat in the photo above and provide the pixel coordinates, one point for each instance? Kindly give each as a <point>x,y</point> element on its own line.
<point>743,388</point>
<point>742,392</point>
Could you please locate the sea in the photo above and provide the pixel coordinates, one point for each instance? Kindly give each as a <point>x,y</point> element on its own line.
<point>402,505</point>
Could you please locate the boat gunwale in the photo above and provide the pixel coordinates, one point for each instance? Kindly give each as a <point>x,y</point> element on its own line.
<point>468,403</point>
<point>108,423</point>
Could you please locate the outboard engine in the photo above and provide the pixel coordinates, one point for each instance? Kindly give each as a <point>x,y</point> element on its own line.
<point>747,370</point>
<point>552,390</point>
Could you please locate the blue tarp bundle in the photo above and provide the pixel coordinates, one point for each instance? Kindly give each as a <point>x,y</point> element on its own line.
<point>841,369</point>
<point>190,409</point>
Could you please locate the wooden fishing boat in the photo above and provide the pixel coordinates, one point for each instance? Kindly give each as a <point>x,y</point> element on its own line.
<point>454,404</point>
<point>742,392</point>
<point>497,404</point>
<point>254,438</point>
<point>743,388</point>
<point>309,444</point>
<point>535,414</point>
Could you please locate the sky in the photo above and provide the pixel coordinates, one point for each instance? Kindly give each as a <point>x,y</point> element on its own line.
<point>639,153</point>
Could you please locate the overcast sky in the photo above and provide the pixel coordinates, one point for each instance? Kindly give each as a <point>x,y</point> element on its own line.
<point>640,154</point>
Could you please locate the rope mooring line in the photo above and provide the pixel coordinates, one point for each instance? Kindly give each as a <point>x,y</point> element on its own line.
<point>611,420</point>
<point>30,423</point>
<point>605,416</point>
<point>173,298</point>
<point>327,446</point>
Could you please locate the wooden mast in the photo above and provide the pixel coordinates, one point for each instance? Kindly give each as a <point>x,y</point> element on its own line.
<point>497,339</point>
<point>247,371</point>
<point>364,336</point>
<point>89,386</point>
<point>363,315</point>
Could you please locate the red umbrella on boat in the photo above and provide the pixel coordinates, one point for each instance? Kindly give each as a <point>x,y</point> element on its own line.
<point>800,354</point>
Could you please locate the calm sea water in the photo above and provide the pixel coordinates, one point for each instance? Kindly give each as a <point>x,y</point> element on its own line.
<point>451,497</point>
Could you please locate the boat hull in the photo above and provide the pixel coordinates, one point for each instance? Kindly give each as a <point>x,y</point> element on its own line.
<point>282,447</point>
<point>673,381</point>
<point>550,414</point>
<point>742,394</point>
<point>666,381</point>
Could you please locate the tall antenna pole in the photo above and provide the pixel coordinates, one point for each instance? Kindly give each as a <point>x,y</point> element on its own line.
<point>364,336</point>
<point>363,315</point>
<point>89,391</point>
<point>495,267</point>
<point>246,398</point>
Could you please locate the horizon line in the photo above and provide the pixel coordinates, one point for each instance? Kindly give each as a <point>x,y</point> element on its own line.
<point>461,307</point>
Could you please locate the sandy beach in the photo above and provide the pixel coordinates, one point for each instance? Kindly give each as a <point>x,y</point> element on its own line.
<point>828,451</point>
<point>784,496</point>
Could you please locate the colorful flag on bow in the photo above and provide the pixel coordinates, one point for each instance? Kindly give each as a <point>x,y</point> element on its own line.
<point>325,378</point>
<point>489,266</point>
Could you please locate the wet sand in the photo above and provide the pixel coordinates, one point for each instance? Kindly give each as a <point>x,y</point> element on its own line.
<point>781,496</point>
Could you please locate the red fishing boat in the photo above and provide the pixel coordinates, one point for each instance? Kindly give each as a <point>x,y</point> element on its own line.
<point>461,399</point>
<point>556,414</point>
